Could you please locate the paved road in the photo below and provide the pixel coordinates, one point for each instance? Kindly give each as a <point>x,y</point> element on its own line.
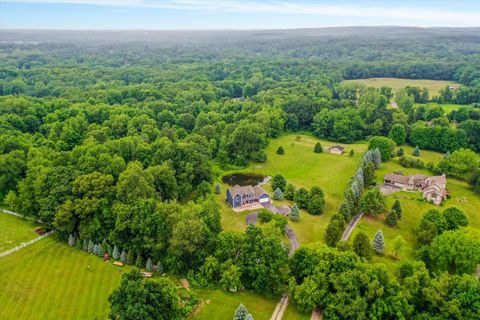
<point>351,226</point>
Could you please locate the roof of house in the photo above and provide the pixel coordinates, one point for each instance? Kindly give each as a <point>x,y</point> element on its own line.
<point>337,147</point>
<point>397,178</point>
<point>256,190</point>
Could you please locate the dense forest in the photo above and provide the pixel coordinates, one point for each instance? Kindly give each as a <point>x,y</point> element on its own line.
<point>113,138</point>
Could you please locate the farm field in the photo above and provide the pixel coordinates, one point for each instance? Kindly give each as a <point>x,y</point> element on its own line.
<point>304,168</point>
<point>413,207</point>
<point>14,231</point>
<point>433,86</point>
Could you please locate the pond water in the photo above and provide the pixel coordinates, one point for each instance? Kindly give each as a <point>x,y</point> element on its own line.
<point>243,179</point>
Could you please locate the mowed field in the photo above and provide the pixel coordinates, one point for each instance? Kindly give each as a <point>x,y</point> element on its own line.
<point>433,86</point>
<point>304,168</point>
<point>462,196</point>
<point>447,107</point>
<point>14,231</point>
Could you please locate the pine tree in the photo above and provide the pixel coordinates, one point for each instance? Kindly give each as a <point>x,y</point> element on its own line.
<point>446,155</point>
<point>280,150</point>
<point>130,258</point>
<point>318,148</point>
<point>241,313</point>
<point>398,209</point>
<point>377,158</point>
<point>95,249</point>
<point>400,152</point>
<point>149,265</point>
<point>278,194</point>
<point>416,152</point>
<point>91,245</point>
<point>139,261</point>
<point>100,250</point>
<point>294,213</point>
<point>85,245</point>
<point>378,243</point>
<point>217,189</point>
<point>159,267</point>
<point>249,317</point>
<point>289,192</point>
<point>391,218</point>
<point>71,240</point>
<point>361,246</point>
<point>368,174</point>
<point>351,153</point>
<point>123,257</point>
<point>79,244</point>
<point>116,253</point>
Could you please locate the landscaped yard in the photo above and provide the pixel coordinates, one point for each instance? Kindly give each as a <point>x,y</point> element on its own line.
<point>14,231</point>
<point>413,207</point>
<point>447,107</point>
<point>433,86</point>
<point>304,168</point>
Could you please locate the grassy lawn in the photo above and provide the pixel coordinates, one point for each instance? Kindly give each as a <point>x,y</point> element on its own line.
<point>413,208</point>
<point>447,107</point>
<point>14,231</point>
<point>304,168</point>
<point>50,280</point>
<point>223,304</point>
<point>433,86</point>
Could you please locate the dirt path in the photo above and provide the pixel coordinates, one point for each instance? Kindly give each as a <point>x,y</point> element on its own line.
<point>351,226</point>
<point>280,308</point>
<point>316,315</point>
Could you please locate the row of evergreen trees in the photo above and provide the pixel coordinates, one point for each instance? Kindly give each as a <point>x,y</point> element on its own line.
<point>99,249</point>
<point>364,176</point>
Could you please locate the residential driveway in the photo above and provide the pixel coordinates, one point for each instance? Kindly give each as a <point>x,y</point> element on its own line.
<point>283,210</point>
<point>389,189</point>
<point>292,237</point>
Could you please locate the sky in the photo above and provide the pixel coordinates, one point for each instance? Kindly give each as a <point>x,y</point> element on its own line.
<point>234,14</point>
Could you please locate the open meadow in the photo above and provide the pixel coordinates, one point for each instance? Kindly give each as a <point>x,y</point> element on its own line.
<point>413,206</point>
<point>14,231</point>
<point>303,168</point>
<point>433,86</point>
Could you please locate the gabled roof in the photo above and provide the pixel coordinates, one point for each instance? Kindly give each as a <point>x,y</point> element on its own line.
<point>258,191</point>
<point>236,189</point>
<point>337,147</point>
<point>397,178</point>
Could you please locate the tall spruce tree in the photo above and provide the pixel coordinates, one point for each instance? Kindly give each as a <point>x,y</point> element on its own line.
<point>149,265</point>
<point>90,247</point>
<point>278,194</point>
<point>294,213</point>
<point>71,240</point>
<point>398,209</point>
<point>241,313</point>
<point>378,243</point>
<point>416,152</point>
<point>116,253</point>
<point>123,257</point>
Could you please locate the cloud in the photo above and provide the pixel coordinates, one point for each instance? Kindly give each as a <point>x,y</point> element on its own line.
<point>460,18</point>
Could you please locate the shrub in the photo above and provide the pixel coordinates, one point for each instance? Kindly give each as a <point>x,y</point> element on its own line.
<point>400,152</point>
<point>318,148</point>
<point>289,193</point>
<point>361,246</point>
<point>416,152</point>
<point>264,215</point>
<point>279,182</point>
<point>280,150</point>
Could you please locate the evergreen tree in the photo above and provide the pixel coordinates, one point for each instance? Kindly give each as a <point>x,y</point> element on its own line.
<point>100,250</point>
<point>318,148</point>
<point>416,152</point>
<point>361,246</point>
<point>217,189</point>
<point>391,218</point>
<point>400,152</point>
<point>369,174</point>
<point>241,313</point>
<point>85,245</point>
<point>249,317</point>
<point>159,267</point>
<point>280,150</point>
<point>78,244</point>
<point>149,265</point>
<point>139,261</point>
<point>398,209</point>
<point>278,194</point>
<point>279,182</point>
<point>130,258</point>
<point>91,245</point>
<point>95,249</point>
<point>377,158</point>
<point>71,240</point>
<point>351,153</point>
<point>294,213</point>
<point>446,155</point>
<point>289,193</point>
<point>116,253</point>
<point>378,243</point>
<point>334,230</point>
<point>123,257</point>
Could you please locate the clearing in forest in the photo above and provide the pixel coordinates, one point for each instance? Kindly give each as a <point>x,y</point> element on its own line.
<point>301,166</point>
<point>433,86</point>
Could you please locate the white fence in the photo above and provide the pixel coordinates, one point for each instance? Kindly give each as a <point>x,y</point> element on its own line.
<point>19,215</point>
<point>25,244</point>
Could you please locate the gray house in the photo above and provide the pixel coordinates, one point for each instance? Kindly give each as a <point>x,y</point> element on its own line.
<point>238,196</point>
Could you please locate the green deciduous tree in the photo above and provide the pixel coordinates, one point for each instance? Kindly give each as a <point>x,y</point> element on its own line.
<point>361,246</point>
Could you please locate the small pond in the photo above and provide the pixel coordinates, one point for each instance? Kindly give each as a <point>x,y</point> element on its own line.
<point>243,179</point>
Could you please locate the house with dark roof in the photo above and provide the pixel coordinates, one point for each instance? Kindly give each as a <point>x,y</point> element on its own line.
<point>336,149</point>
<point>432,187</point>
<point>238,196</point>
